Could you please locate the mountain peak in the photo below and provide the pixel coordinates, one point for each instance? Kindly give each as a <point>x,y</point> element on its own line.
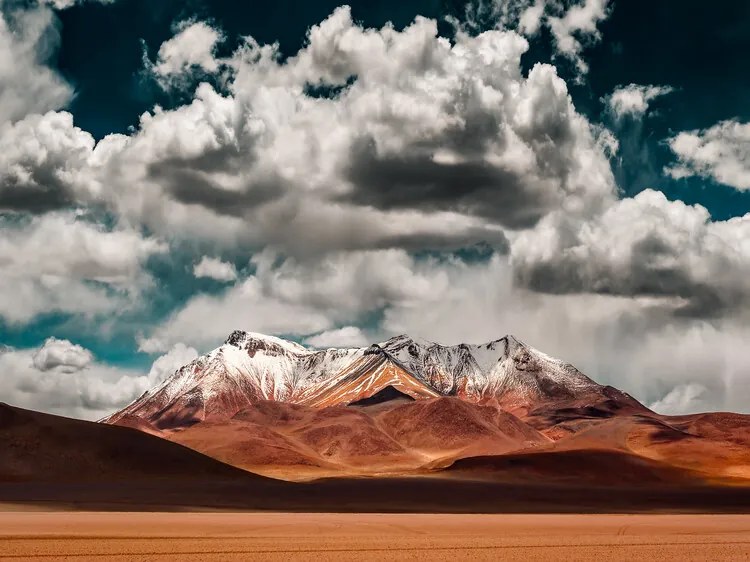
<point>246,340</point>
<point>372,373</point>
<point>405,339</point>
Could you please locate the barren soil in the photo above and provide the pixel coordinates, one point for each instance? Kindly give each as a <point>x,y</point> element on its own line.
<point>165,537</point>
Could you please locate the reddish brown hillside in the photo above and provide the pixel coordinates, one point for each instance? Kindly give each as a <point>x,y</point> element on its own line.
<point>41,447</point>
<point>453,427</point>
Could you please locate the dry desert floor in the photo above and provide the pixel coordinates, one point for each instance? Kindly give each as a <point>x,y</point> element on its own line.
<point>83,536</point>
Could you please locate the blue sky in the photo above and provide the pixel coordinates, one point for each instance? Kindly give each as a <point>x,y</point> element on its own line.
<point>576,172</point>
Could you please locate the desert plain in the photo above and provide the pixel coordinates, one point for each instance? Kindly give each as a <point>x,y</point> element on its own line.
<point>212,536</point>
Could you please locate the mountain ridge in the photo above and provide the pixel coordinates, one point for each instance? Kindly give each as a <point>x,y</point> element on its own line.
<point>251,367</point>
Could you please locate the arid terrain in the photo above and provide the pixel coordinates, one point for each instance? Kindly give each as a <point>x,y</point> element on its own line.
<point>58,463</point>
<point>279,536</point>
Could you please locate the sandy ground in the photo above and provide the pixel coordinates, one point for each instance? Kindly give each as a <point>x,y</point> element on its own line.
<point>278,536</point>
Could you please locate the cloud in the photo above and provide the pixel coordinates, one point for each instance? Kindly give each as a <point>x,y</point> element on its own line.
<point>205,321</point>
<point>465,149</point>
<point>61,355</point>
<point>720,153</point>
<point>301,297</point>
<point>578,25</point>
<point>64,378</point>
<point>215,269</point>
<point>42,161</point>
<point>61,262</point>
<point>682,399</point>
<point>192,49</point>
<point>633,100</point>
<point>625,110</point>
<point>348,336</point>
<point>64,4</point>
<point>28,39</point>
<point>88,392</point>
<point>641,246</point>
<point>573,24</point>
<point>178,356</point>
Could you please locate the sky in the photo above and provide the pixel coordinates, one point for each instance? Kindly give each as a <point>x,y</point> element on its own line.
<point>572,172</point>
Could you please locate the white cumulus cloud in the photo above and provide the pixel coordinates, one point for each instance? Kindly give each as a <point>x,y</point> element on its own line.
<point>60,262</point>
<point>720,153</point>
<point>178,356</point>
<point>579,20</point>
<point>641,246</point>
<point>89,392</point>
<point>573,24</point>
<point>62,355</point>
<point>633,100</point>
<point>466,148</point>
<point>193,47</point>
<point>64,378</point>
<point>43,161</point>
<point>214,268</point>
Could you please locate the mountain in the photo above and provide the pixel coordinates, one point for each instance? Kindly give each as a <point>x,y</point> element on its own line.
<point>395,436</point>
<point>251,367</point>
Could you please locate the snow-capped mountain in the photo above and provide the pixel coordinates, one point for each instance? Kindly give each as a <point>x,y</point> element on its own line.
<point>251,367</point>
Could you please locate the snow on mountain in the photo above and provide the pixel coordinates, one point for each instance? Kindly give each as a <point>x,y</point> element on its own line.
<point>452,370</point>
<point>250,367</point>
<point>514,374</point>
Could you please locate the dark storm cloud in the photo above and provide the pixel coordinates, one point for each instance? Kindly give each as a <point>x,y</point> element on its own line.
<point>44,193</point>
<point>417,181</point>
<point>640,277</point>
<point>194,182</point>
<point>495,240</point>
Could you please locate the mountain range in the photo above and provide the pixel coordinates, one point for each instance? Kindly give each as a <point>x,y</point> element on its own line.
<point>252,367</point>
<point>409,406</point>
